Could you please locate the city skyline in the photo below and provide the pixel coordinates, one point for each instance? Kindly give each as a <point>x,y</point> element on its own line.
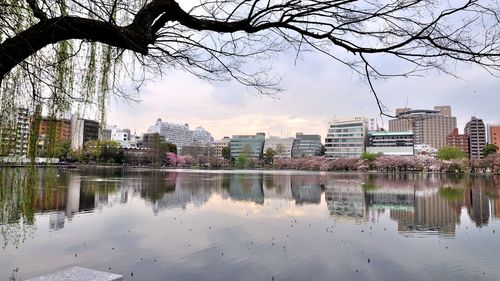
<point>308,103</point>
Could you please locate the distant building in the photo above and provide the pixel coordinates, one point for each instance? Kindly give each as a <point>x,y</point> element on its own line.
<point>82,131</point>
<point>150,139</point>
<point>477,137</point>
<point>458,140</point>
<point>61,131</point>
<point>14,133</point>
<point>201,135</point>
<point>346,137</point>
<point>390,143</point>
<point>120,135</point>
<point>428,126</point>
<point>174,133</point>
<point>373,125</point>
<point>282,146</point>
<point>106,134</point>
<point>494,134</point>
<point>251,145</point>
<point>306,145</point>
<point>62,128</point>
<point>425,149</point>
<point>218,145</point>
<point>197,150</point>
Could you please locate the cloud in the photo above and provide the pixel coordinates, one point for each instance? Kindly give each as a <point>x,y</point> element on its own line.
<point>317,89</point>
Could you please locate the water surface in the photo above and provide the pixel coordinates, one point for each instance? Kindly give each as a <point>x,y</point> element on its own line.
<point>253,225</point>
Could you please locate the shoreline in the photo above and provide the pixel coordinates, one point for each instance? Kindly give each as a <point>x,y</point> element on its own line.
<point>168,168</point>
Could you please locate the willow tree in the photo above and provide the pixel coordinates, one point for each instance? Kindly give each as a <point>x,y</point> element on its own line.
<point>58,52</point>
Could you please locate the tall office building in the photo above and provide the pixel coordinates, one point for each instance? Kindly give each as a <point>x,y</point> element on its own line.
<point>346,137</point>
<point>494,134</point>
<point>477,137</point>
<point>429,127</point>
<point>306,145</point>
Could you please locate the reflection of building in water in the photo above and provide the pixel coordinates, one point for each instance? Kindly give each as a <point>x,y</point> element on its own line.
<point>346,202</point>
<point>73,202</point>
<point>383,198</point>
<point>278,186</point>
<point>56,220</point>
<point>495,208</point>
<point>478,206</point>
<point>190,188</point>
<point>246,187</point>
<point>50,199</point>
<point>306,190</point>
<point>431,214</point>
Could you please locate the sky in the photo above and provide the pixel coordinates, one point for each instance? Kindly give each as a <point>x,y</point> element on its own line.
<point>317,89</point>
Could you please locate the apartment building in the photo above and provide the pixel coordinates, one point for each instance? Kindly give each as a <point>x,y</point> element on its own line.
<point>477,137</point>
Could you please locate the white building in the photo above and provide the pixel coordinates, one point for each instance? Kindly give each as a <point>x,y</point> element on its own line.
<point>282,146</point>
<point>174,133</point>
<point>120,135</point>
<point>202,136</point>
<point>82,131</point>
<point>346,137</point>
<point>373,125</point>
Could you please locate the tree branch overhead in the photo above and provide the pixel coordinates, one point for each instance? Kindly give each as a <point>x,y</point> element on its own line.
<point>213,39</point>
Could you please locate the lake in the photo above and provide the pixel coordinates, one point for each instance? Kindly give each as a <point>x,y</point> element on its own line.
<point>150,224</point>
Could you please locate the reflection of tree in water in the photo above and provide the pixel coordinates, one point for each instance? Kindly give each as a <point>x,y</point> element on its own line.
<point>95,192</point>
<point>156,183</point>
<point>452,194</point>
<point>17,199</point>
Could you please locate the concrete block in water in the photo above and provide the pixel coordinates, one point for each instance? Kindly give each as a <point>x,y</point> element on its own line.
<point>77,273</point>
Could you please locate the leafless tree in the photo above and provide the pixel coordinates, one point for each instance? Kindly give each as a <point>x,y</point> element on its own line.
<point>214,38</point>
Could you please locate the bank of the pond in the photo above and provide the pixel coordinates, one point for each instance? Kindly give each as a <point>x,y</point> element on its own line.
<point>426,164</point>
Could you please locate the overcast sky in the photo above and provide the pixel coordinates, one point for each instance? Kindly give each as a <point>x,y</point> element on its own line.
<point>316,90</point>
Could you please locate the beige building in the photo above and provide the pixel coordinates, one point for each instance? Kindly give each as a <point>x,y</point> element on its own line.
<point>429,126</point>
<point>218,145</point>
